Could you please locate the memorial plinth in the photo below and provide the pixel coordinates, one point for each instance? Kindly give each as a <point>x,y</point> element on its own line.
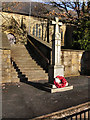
<point>53,89</point>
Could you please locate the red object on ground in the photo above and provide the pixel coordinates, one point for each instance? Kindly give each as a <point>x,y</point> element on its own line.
<point>63,82</point>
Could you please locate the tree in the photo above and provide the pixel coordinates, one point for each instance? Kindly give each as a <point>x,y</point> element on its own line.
<point>76,13</point>
<point>82,36</point>
<point>73,12</point>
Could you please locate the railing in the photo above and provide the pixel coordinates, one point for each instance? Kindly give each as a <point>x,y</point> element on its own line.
<point>83,115</point>
<point>38,51</point>
<point>79,112</point>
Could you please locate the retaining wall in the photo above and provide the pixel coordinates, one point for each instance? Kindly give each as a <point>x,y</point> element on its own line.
<point>5,66</point>
<point>76,62</point>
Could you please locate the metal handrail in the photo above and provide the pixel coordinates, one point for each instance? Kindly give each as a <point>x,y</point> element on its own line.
<point>38,50</point>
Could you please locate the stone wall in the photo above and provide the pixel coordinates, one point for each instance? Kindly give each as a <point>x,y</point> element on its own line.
<point>71,59</point>
<point>35,26</point>
<point>5,66</point>
<point>0,66</point>
<point>75,62</point>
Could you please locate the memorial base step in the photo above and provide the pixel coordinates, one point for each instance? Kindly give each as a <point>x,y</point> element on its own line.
<point>53,89</point>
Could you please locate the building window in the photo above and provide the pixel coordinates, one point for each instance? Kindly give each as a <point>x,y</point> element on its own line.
<point>11,38</point>
<point>36,30</point>
<point>39,32</point>
<point>33,30</point>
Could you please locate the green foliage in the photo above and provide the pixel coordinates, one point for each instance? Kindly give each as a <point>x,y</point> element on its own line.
<point>82,36</point>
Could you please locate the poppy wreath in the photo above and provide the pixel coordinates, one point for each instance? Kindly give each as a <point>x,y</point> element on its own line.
<point>60,82</point>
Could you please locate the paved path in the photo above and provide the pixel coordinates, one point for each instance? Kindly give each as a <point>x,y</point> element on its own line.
<point>29,100</point>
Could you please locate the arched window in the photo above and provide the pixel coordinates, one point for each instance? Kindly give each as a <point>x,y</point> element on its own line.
<point>39,32</point>
<point>36,30</point>
<point>11,38</point>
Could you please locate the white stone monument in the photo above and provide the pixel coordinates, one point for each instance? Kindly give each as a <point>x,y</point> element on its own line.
<point>56,68</point>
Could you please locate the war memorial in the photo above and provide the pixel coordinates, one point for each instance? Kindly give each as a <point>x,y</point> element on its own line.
<point>40,77</point>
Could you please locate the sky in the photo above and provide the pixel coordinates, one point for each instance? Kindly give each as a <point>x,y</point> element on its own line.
<point>39,0</point>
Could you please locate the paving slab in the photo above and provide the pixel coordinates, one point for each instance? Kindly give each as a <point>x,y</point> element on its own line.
<point>29,100</point>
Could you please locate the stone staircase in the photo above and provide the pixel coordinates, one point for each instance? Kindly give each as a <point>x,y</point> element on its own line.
<point>25,66</point>
<point>14,74</point>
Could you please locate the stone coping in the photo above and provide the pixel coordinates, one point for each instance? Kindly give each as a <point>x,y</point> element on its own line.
<point>41,41</point>
<point>65,112</point>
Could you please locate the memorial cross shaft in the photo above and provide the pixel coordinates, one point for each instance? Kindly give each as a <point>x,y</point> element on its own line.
<point>56,68</point>
<point>57,40</point>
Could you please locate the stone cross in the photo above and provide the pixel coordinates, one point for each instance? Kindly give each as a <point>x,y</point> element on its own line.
<point>57,23</point>
<point>57,39</point>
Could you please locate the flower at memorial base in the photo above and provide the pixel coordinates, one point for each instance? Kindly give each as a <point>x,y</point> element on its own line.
<point>60,82</point>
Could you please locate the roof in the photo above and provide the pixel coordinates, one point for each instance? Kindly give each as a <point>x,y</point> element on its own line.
<point>37,9</point>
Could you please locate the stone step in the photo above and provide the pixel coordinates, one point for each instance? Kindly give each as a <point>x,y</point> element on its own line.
<point>32,68</point>
<point>37,79</point>
<point>26,66</point>
<point>33,79</point>
<point>20,54</point>
<point>20,58</point>
<point>14,73</point>
<point>33,72</point>
<point>36,76</point>
<point>33,76</point>
<point>27,69</point>
<point>26,63</point>
<point>13,70</point>
<point>19,51</point>
<point>24,60</point>
<point>39,71</point>
<point>15,79</point>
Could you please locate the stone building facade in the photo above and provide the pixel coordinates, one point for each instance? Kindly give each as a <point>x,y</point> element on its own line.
<point>75,62</point>
<point>38,27</point>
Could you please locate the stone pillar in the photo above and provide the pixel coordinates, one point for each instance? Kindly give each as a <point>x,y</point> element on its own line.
<point>56,68</point>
